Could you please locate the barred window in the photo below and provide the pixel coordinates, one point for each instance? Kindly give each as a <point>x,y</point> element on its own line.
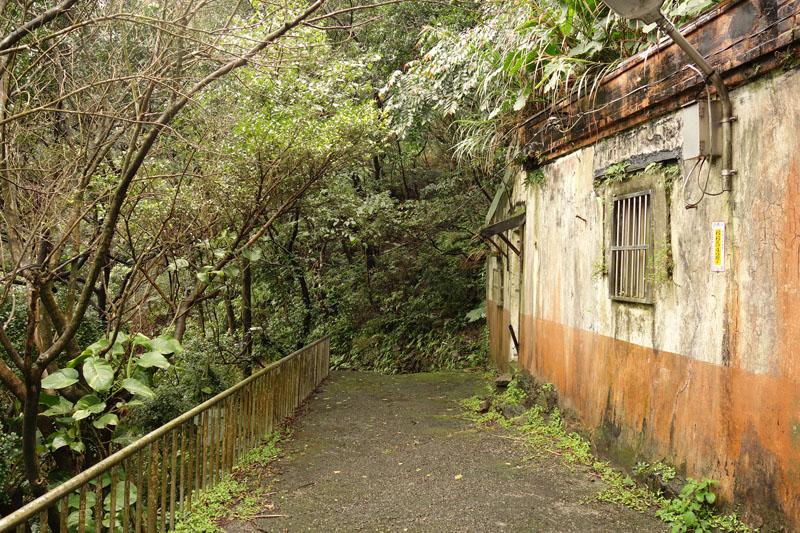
<point>631,248</point>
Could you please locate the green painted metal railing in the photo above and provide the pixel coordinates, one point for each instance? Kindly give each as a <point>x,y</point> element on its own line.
<point>150,484</point>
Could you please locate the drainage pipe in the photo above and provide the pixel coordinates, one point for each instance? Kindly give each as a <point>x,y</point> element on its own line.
<point>722,91</point>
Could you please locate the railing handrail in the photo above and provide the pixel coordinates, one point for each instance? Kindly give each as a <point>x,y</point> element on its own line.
<point>52,496</point>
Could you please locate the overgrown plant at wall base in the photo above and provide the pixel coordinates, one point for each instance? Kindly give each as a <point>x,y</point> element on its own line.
<point>542,430</point>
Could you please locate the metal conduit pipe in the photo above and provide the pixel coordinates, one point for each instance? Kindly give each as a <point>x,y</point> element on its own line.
<point>649,11</point>
<point>722,91</point>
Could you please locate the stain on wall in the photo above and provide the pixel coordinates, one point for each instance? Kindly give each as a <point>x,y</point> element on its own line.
<point>712,420</point>
<point>708,376</point>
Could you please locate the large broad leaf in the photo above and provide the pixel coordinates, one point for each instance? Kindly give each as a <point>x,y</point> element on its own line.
<point>230,271</point>
<point>62,407</point>
<point>48,400</point>
<point>81,414</point>
<point>141,340</point>
<point>81,358</point>
<point>88,405</point>
<point>98,346</point>
<point>164,344</point>
<point>87,401</point>
<point>108,419</point>
<point>60,440</point>
<point>98,374</point>
<point>137,387</point>
<point>151,359</point>
<point>120,496</point>
<point>251,254</point>
<point>60,379</point>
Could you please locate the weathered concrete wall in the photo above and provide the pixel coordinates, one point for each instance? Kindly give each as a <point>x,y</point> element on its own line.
<point>708,375</point>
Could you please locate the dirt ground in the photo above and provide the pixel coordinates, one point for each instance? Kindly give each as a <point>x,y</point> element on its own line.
<point>392,453</point>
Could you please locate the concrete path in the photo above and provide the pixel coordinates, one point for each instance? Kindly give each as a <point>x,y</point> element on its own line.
<point>392,453</point>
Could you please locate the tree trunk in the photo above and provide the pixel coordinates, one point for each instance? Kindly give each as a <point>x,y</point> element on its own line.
<point>180,321</point>
<point>247,314</point>
<point>201,320</point>
<point>229,314</point>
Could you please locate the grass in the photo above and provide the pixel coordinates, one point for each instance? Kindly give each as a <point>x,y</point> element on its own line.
<point>543,433</point>
<point>238,497</point>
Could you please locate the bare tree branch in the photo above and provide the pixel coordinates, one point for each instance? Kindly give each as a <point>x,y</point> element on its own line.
<point>18,34</point>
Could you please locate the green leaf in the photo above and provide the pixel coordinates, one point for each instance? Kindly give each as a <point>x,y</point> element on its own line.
<point>124,436</point>
<point>98,346</point>
<point>251,254</point>
<point>477,313</point>
<point>230,271</point>
<point>88,405</point>
<point>98,374</point>
<point>81,414</point>
<point>165,344</point>
<point>141,340</point>
<point>60,379</point>
<point>137,387</point>
<point>77,446</point>
<point>78,360</point>
<point>63,407</point>
<point>689,518</point>
<point>48,400</point>
<point>61,440</point>
<point>120,496</point>
<point>179,264</point>
<point>108,419</point>
<point>87,401</point>
<point>75,502</point>
<point>522,99</point>
<point>710,497</point>
<point>151,359</point>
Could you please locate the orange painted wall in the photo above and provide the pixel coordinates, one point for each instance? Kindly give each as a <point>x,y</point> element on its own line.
<point>715,420</point>
<point>724,402</point>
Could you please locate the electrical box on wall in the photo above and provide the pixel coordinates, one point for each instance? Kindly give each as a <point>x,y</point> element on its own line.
<point>701,130</point>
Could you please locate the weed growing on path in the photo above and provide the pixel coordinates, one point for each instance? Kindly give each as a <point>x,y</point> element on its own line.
<point>238,497</point>
<point>665,472</point>
<point>543,432</point>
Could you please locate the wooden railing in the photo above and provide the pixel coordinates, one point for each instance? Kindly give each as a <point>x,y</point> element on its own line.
<point>150,484</point>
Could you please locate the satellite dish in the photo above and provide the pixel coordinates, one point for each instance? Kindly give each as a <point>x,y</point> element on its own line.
<point>646,10</point>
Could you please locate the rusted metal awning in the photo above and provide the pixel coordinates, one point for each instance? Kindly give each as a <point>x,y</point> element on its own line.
<point>499,228</point>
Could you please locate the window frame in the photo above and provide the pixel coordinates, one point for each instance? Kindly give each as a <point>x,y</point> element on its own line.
<point>620,249</point>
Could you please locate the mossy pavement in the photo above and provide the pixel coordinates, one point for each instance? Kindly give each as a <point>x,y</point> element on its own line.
<point>373,453</point>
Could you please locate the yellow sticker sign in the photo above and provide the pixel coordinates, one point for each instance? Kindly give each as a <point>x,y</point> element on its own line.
<point>718,249</point>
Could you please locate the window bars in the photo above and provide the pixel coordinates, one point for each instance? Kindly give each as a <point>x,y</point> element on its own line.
<point>631,248</point>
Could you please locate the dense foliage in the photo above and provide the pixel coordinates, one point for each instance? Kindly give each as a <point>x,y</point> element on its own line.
<point>189,190</point>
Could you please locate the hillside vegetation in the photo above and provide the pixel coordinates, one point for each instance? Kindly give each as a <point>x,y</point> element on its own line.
<point>190,190</point>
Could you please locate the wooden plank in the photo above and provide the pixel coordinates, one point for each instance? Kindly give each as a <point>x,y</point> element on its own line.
<point>740,39</point>
<point>505,225</point>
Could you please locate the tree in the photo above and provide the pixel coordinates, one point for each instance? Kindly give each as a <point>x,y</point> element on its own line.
<point>85,95</point>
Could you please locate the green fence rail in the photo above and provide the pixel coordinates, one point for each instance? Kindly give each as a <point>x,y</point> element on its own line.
<point>150,484</point>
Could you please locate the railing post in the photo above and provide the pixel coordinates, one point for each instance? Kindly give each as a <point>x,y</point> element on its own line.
<point>169,467</point>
